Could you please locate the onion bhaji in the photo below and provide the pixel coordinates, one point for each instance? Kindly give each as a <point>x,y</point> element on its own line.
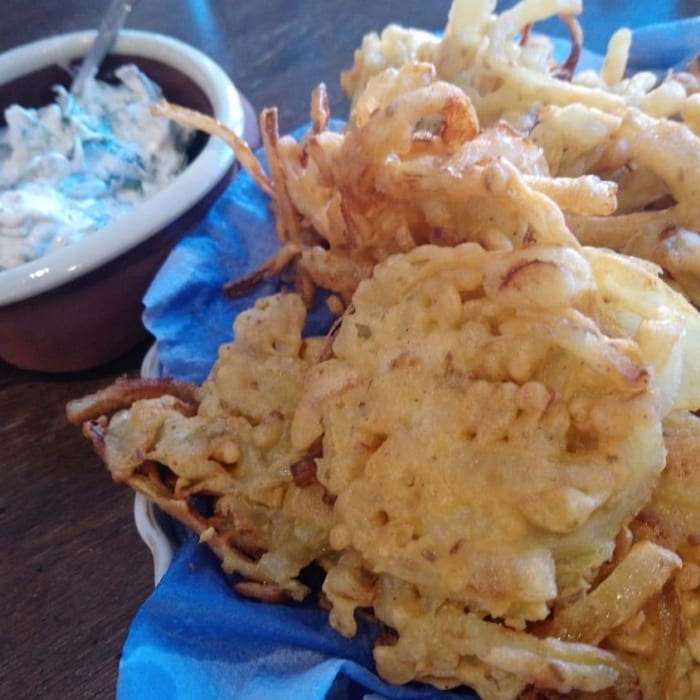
<point>463,463</point>
<point>609,124</point>
<point>494,450</point>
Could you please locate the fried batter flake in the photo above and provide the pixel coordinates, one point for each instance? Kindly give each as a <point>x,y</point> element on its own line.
<point>462,435</point>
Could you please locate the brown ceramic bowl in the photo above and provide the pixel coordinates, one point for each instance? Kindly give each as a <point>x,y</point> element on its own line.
<point>80,307</point>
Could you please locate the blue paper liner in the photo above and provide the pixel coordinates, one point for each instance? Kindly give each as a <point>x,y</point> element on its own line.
<point>194,638</point>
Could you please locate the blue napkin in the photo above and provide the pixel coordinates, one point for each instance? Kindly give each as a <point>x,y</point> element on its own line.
<point>659,47</point>
<point>655,48</point>
<point>193,637</point>
<point>185,308</point>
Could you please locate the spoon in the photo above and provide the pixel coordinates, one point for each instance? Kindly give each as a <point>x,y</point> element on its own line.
<point>112,22</point>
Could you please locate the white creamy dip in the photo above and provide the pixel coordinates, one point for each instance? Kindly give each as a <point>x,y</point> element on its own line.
<point>69,168</point>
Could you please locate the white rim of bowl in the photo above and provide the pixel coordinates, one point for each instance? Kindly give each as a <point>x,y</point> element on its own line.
<point>60,267</point>
<point>147,516</point>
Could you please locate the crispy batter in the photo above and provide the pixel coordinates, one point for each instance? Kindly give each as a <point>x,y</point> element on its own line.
<point>123,393</point>
<point>431,425</point>
<point>632,130</point>
<point>425,157</point>
<point>661,640</point>
<point>232,448</point>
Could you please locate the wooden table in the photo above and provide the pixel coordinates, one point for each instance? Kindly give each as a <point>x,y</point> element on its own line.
<point>73,570</point>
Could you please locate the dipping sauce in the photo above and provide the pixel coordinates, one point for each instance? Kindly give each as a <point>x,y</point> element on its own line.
<point>69,168</point>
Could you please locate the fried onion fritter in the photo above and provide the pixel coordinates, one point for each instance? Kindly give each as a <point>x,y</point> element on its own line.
<point>412,167</point>
<point>233,450</point>
<point>635,131</point>
<point>460,456</point>
<point>485,440</point>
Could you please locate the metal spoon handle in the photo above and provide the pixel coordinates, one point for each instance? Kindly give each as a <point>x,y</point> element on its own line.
<point>112,22</point>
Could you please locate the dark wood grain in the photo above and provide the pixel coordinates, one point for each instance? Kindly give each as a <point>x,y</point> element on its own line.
<point>73,571</point>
